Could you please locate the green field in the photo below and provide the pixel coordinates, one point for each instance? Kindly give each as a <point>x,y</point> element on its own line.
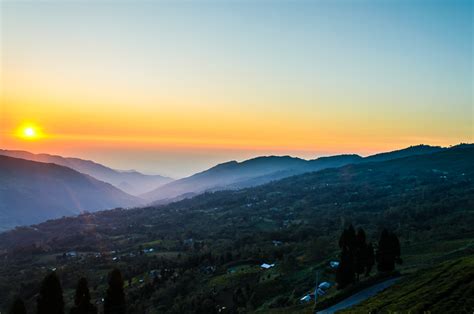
<point>445,288</point>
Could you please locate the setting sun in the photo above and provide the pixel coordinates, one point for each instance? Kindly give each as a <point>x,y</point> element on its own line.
<point>29,132</point>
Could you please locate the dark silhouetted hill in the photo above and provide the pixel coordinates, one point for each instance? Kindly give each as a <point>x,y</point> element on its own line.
<point>31,192</point>
<point>261,170</point>
<point>233,174</point>
<point>132,182</point>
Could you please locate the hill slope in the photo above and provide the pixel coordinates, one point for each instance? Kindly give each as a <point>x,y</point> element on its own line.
<point>440,289</point>
<point>31,192</point>
<point>426,199</point>
<point>261,170</point>
<point>132,182</point>
<point>251,172</point>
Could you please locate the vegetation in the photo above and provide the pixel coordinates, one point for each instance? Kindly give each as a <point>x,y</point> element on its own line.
<point>50,299</point>
<point>357,257</point>
<point>82,298</point>
<point>203,254</point>
<point>445,288</point>
<point>114,302</point>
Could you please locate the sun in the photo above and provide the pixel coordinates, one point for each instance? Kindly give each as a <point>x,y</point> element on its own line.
<point>29,132</point>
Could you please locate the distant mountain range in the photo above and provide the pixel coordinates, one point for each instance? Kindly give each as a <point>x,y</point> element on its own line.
<point>131,182</point>
<point>260,170</point>
<point>37,187</point>
<point>32,192</point>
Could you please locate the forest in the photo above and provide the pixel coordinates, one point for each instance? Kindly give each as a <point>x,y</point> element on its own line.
<point>205,254</point>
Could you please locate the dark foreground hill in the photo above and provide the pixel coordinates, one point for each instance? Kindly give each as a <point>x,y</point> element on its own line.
<point>131,182</point>
<point>31,192</point>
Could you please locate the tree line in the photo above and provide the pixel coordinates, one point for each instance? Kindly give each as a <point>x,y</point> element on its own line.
<point>50,299</point>
<point>358,257</point>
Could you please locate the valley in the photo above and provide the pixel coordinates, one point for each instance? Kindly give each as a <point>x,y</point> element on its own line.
<point>183,256</point>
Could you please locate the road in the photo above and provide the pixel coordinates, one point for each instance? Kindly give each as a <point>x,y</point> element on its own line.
<point>359,296</point>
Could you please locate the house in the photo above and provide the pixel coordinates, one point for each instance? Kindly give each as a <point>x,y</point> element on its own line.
<point>189,241</point>
<point>324,285</point>
<point>208,269</point>
<point>71,254</point>
<point>67,255</point>
<point>320,291</point>
<point>267,266</point>
<point>306,298</point>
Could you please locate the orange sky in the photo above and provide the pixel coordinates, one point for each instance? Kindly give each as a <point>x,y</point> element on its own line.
<point>177,88</point>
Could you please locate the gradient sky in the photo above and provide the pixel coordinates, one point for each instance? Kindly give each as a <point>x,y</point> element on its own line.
<point>174,87</point>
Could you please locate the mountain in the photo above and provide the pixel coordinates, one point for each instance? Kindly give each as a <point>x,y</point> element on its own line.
<point>132,182</point>
<point>233,174</point>
<point>215,242</point>
<point>261,170</point>
<point>409,151</point>
<point>31,192</point>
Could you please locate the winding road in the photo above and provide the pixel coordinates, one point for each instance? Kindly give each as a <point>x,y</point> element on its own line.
<point>359,296</point>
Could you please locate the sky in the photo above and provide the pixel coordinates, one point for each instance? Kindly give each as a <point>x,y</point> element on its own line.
<point>174,87</point>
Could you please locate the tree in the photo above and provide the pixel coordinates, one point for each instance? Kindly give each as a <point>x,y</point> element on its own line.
<point>82,299</point>
<point>388,252</point>
<point>347,240</point>
<point>50,299</point>
<point>360,253</point>
<point>370,259</point>
<point>18,307</point>
<point>114,302</point>
<point>345,274</point>
<point>356,256</point>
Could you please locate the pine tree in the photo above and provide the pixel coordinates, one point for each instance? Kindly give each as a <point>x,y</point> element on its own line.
<point>348,239</point>
<point>370,259</point>
<point>18,307</point>
<point>360,253</point>
<point>50,299</point>
<point>388,252</point>
<point>114,302</point>
<point>82,299</point>
<point>346,271</point>
<point>357,257</point>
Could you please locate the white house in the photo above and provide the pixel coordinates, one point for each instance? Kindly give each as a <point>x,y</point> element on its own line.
<point>306,298</point>
<point>324,285</point>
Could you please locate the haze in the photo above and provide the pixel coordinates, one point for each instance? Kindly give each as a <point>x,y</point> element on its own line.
<point>175,87</point>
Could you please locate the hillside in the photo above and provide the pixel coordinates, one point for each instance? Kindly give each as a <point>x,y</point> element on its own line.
<point>31,192</point>
<point>244,174</point>
<point>406,152</point>
<point>213,243</point>
<point>261,170</point>
<point>132,182</point>
<point>444,288</point>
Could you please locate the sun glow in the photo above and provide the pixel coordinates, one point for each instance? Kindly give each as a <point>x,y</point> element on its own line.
<point>29,132</point>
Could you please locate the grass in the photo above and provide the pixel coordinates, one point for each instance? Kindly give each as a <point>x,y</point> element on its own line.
<point>230,279</point>
<point>445,288</point>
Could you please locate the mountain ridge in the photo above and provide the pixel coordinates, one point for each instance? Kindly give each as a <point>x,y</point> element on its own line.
<point>32,192</point>
<point>130,181</point>
<point>275,168</point>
